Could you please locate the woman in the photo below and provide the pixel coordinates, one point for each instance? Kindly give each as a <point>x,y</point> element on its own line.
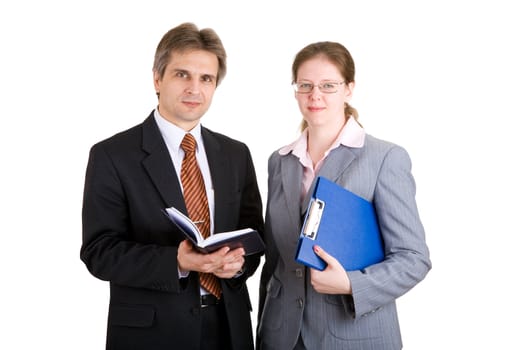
<point>303,308</point>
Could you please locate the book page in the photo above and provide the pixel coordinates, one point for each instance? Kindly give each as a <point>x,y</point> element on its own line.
<point>224,236</point>
<point>185,224</point>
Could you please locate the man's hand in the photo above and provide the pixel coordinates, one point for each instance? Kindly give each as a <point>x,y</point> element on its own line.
<point>224,263</point>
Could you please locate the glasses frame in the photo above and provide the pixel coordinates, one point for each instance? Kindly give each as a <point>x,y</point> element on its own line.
<point>319,86</point>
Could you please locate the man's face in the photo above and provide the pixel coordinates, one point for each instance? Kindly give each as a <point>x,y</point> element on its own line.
<point>187,87</point>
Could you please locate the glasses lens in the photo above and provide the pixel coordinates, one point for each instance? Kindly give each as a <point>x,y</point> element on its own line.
<point>303,87</point>
<point>328,87</point>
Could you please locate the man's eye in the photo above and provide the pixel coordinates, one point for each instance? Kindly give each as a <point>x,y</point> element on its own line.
<point>207,79</point>
<point>181,75</point>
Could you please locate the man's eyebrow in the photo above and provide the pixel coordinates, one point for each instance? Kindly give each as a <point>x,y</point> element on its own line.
<point>182,70</point>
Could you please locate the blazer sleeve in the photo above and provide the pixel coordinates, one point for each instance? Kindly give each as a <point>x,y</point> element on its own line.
<point>114,248</point>
<point>407,258</point>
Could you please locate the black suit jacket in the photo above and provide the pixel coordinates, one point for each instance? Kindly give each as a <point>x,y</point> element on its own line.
<point>128,241</point>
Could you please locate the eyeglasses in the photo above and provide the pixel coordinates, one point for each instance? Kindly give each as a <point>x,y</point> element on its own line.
<point>327,87</point>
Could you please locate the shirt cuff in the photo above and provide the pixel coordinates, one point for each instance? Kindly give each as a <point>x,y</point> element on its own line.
<point>239,273</point>
<point>183,274</point>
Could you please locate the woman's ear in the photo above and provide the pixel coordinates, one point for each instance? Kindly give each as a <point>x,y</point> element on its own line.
<point>349,91</point>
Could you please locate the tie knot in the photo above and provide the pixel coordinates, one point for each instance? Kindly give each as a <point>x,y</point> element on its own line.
<point>188,143</point>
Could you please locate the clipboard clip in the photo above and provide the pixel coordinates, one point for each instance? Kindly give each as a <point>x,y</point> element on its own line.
<point>314,214</point>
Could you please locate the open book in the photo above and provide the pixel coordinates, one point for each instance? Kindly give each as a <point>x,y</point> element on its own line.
<point>247,238</point>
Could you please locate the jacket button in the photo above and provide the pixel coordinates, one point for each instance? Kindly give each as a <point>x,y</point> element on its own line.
<point>299,273</point>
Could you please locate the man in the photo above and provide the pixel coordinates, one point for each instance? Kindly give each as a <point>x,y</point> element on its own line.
<point>158,300</point>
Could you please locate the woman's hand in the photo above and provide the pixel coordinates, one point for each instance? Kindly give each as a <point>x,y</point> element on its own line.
<point>333,279</point>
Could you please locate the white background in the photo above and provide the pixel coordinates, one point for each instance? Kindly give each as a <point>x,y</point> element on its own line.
<point>443,79</point>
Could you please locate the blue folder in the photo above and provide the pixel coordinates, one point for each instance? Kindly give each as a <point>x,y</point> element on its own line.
<point>343,224</point>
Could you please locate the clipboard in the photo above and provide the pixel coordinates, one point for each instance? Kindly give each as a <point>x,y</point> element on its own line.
<point>343,224</point>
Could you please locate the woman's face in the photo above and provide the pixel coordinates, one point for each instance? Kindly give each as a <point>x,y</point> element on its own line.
<point>317,107</point>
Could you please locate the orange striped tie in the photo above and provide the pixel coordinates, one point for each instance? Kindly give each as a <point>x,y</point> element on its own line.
<point>197,204</point>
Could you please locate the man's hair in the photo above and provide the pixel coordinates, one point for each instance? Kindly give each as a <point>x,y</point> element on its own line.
<point>187,37</point>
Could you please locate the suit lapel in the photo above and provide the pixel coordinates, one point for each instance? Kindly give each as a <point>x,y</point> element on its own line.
<point>159,166</point>
<point>291,177</point>
<point>336,163</point>
<point>333,167</point>
<point>292,174</point>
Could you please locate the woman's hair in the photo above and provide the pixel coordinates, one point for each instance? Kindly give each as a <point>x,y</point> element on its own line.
<point>336,54</point>
<point>188,37</point>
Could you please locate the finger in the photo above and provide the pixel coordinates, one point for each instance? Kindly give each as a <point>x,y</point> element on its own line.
<point>238,251</point>
<point>234,258</point>
<point>185,245</point>
<point>223,251</point>
<point>232,266</point>
<point>324,255</point>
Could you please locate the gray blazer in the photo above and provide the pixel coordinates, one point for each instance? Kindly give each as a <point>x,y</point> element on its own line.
<point>289,307</point>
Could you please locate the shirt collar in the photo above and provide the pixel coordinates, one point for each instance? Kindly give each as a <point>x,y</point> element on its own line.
<point>173,135</point>
<point>352,135</point>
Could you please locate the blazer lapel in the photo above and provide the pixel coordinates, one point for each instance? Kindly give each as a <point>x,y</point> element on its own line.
<point>333,167</point>
<point>336,163</point>
<point>291,175</point>
<point>159,166</point>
